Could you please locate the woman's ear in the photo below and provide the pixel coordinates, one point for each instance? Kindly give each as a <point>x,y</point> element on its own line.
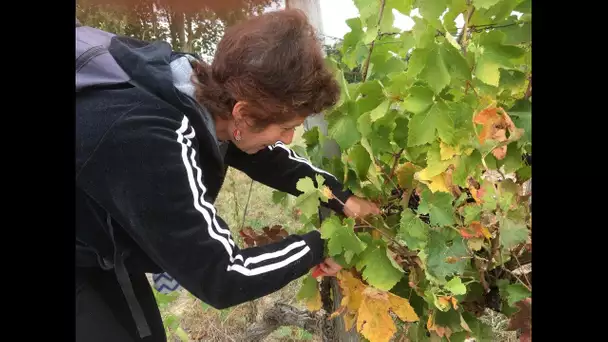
<point>241,117</point>
<point>237,111</point>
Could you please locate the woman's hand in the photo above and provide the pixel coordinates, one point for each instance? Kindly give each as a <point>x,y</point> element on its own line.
<point>328,267</point>
<point>358,207</point>
<point>353,207</point>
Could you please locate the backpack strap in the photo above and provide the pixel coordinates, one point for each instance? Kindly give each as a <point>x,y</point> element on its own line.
<point>125,284</point>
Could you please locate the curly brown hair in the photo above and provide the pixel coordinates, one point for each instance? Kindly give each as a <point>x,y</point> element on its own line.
<point>274,64</point>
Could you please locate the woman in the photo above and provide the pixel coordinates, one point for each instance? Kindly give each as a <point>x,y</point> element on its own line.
<point>152,150</point>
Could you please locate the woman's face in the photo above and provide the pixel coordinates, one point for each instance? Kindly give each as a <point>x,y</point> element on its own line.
<point>253,140</point>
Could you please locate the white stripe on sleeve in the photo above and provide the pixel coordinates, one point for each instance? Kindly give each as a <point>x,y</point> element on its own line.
<point>295,157</point>
<point>209,214</point>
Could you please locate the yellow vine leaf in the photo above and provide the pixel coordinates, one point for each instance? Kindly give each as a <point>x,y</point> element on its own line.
<point>446,151</point>
<point>370,309</point>
<point>402,308</point>
<point>314,303</point>
<point>351,300</point>
<point>327,192</point>
<point>376,234</point>
<point>435,183</point>
<point>438,184</point>
<point>350,319</point>
<point>475,243</point>
<point>405,175</point>
<point>423,175</point>
<point>443,303</point>
<point>476,196</point>
<point>373,319</point>
<point>455,304</point>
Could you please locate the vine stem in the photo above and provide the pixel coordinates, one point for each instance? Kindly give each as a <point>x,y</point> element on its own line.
<point>388,177</point>
<point>462,40</point>
<point>495,246</point>
<point>253,303</point>
<point>247,204</point>
<point>468,84</point>
<point>481,268</point>
<point>524,274</point>
<point>371,47</point>
<point>393,203</point>
<point>394,167</point>
<point>518,279</point>
<point>529,89</point>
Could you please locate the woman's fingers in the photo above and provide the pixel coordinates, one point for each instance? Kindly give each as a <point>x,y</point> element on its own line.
<point>331,267</point>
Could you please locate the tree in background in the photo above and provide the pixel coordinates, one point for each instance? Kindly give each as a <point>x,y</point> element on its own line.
<point>190,26</point>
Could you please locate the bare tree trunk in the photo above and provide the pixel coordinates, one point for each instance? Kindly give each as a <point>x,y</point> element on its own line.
<point>178,24</point>
<point>189,46</point>
<point>340,332</point>
<point>331,296</point>
<point>312,8</point>
<point>328,331</point>
<point>172,30</point>
<point>154,23</point>
<point>177,28</point>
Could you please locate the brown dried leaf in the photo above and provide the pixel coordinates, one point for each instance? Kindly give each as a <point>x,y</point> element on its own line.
<point>268,235</point>
<point>496,122</point>
<point>522,319</point>
<point>475,230</point>
<point>439,330</point>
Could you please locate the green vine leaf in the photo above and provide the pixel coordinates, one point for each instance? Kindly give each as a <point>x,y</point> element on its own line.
<point>438,134</point>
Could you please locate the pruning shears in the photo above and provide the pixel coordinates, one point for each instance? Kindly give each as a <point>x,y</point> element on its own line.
<point>317,272</point>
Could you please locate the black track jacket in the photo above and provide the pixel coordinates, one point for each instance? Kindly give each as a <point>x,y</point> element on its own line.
<point>148,170</point>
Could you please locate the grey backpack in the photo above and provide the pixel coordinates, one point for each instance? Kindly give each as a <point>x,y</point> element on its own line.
<point>96,67</point>
<point>94,64</point>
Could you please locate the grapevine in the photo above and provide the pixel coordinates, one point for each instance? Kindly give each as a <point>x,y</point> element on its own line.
<point>437,131</point>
